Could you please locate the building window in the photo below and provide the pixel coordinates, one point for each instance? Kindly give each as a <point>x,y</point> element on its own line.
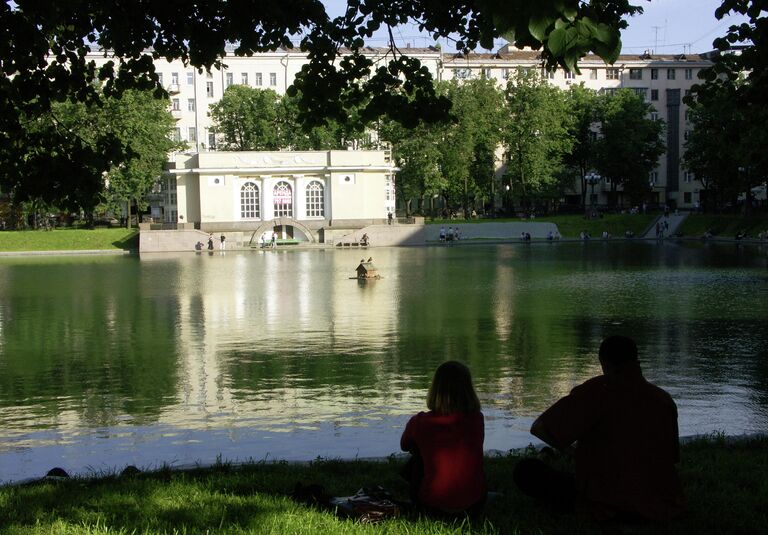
<point>190,78</point>
<point>160,78</point>
<point>569,75</point>
<point>249,201</point>
<point>654,116</point>
<point>273,79</point>
<point>175,78</point>
<point>282,197</point>
<point>611,74</point>
<point>315,199</point>
<point>654,74</point>
<point>244,78</point>
<point>192,134</point>
<point>641,92</point>
<point>635,74</point>
<point>689,74</point>
<point>175,104</point>
<point>209,89</point>
<point>654,94</point>
<point>257,79</point>
<point>610,91</point>
<point>177,134</point>
<point>686,135</point>
<point>688,176</point>
<point>229,79</point>
<point>687,115</point>
<point>686,92</point>
<point>211,140</point>
<point>190,104</point>
<point>687,197</point>
<point>671,74</point>
<point>593,74</point>
<point>505,73</point>
<point>550,75</point>
<point>653,177</point>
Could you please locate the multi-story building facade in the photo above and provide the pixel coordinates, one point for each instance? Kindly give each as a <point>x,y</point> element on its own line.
<point>662,80</point>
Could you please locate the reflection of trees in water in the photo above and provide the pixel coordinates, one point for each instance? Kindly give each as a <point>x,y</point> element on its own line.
<point>83,338</point>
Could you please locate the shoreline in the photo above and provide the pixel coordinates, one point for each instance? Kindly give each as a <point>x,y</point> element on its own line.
<point>308,246</point>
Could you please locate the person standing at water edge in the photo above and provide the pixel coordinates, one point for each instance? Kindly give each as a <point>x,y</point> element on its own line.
<point>222,242</point>
<point>445,471</point>
<point>626,444</point>
<point>210,242</point>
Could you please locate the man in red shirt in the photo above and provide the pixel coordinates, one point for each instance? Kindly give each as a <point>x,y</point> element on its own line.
<point>623,433</point>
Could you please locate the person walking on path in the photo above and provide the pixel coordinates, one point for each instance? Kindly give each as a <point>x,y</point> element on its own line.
<point>210,242</point>
<point>222,242</point>
<point>622,431</point>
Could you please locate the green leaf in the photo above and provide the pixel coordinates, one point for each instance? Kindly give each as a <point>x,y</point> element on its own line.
<point>538,26</point>
<point>557,42</point>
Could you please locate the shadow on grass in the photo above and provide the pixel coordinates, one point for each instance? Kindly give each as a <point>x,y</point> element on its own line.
<point>725,482</point>
<point>129,242</point>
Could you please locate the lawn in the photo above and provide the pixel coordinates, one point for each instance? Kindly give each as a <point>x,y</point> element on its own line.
<point>70,240</point>
<point>726,485</point>
<point>724,226</point>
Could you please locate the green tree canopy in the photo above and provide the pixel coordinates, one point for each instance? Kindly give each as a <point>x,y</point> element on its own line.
<point>583,105</point>
<point>729,110</point>
<point>630,143</point>
<point>246,117</point>
<point>536,137</point>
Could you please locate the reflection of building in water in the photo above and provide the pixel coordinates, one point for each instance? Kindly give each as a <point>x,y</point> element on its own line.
<point>238,310</point>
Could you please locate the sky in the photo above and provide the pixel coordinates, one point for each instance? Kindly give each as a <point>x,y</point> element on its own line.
<point>666,27</point>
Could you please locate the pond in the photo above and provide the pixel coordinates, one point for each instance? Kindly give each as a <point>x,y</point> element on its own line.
<point>179,359</point>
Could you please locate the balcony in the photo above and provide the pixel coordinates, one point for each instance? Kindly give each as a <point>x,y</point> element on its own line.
<point>173,89</point>
<point>176,114</point>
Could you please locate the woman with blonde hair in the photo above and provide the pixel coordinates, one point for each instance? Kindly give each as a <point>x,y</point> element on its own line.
<point>446,444</point>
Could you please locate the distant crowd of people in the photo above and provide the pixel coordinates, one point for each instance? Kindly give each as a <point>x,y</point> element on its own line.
<point>620,429</point>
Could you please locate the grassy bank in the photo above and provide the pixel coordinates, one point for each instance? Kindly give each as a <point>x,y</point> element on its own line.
<point>70,240</point>
<point>726,485</point>
<point>570,226</point>
<point>724,226</point>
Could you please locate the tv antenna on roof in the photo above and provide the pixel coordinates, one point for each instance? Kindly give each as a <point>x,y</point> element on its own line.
<point>656,37</point>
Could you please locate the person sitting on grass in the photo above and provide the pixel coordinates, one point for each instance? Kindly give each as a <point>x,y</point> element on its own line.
<point>626,445</point>
<point>445,470</point>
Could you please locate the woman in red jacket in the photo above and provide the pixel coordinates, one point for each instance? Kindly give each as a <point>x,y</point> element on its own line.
<point>446,444</point>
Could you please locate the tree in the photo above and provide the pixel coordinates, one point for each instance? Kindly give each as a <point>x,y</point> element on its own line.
<point>416,151</point>
<point>731,108</point>
<point>475,132</point>
<point>143,125</point>
<point>47,43</point>
<point>536,137</point>
<point>247,118</point>
<point>582,103</point>
<point>630,143</point>
<point>133,130</point>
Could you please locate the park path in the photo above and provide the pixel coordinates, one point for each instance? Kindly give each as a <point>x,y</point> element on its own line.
<point>674,221</point>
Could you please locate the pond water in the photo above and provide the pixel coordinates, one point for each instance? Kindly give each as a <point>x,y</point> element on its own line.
<point>177,359</point>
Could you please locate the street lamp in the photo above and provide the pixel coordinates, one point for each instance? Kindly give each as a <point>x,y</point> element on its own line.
<point>592,178</point>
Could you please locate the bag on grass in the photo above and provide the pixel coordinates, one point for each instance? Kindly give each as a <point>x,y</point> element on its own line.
<point>369,505</point>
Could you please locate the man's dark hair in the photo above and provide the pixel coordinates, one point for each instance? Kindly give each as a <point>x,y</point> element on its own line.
<point>618,350</point>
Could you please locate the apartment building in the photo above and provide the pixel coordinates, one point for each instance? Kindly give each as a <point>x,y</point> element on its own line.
<point>663,80</point>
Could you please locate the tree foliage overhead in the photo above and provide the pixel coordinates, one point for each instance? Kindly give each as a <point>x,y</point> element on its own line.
<point>197,31</point>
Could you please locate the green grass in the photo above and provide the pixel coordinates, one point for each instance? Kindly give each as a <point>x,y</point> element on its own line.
<point>726,226</point>
<point>726,485</point>
<point>70,240</point>
<point>570,226</point>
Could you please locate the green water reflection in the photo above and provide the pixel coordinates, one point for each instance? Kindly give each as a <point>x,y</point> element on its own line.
<point>177,358</point>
